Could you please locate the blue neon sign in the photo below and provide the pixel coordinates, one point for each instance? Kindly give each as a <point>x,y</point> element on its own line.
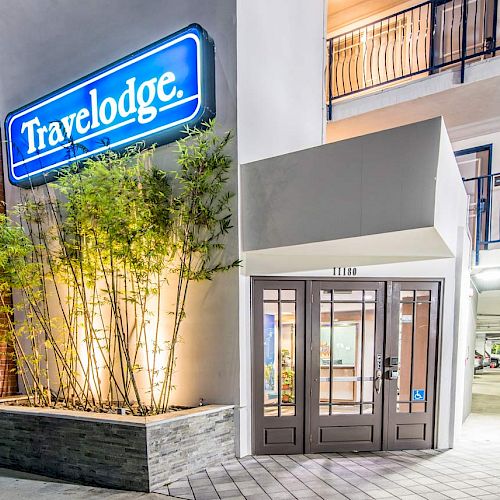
<point>150,96</point>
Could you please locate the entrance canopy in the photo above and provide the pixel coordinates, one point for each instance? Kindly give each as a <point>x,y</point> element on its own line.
<point>387,197</point>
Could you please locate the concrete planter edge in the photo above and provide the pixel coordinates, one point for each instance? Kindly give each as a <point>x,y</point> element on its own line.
<point>115,451</point>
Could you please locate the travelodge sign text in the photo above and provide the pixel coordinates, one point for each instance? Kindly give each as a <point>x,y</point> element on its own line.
<point>148,96</point>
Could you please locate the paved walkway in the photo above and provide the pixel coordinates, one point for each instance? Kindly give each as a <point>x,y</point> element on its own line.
<point>470,470</point>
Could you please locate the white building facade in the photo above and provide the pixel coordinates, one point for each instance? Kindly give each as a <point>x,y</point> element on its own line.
<point>351,323</point>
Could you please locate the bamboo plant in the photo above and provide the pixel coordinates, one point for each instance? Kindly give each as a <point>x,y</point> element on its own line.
<point>93,260</point>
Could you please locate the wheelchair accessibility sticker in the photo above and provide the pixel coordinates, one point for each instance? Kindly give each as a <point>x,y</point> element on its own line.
<point>418,395</point>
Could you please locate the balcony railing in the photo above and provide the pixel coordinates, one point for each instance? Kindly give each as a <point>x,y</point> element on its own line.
<point>484,212</point>
<point>418,41</point>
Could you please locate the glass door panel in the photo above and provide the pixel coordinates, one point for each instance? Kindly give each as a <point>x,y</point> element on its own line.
<point>271,360</point>
<point>347,335</point>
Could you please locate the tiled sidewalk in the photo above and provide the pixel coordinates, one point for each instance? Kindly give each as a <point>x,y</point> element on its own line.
<point>471,470</point>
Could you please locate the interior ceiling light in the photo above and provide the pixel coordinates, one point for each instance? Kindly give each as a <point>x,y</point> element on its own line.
<point>489,274</point>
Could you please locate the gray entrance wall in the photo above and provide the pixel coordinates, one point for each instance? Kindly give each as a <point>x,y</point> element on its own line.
<point>374,184</point>
<point>50,43</point>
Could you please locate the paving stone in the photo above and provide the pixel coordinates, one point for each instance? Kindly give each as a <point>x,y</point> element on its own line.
<point>435,496</point>
<point>226,487</point>
<point>282,496</point>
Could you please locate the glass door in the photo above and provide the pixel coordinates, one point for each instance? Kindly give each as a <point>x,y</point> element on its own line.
<point>448,39</point>
<point>411,359</point>
<point>278,362</point>
<point>482,191</point>
<point>346,366</point>
<point>343,365</point>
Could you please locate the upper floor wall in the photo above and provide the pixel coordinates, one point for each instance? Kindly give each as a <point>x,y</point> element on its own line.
<point>281,106</point>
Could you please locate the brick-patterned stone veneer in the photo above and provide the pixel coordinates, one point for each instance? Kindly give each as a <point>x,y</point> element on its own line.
<point>131,453</point>
<point>8,376</point>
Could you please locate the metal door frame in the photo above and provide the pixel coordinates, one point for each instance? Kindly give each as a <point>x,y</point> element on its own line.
<point>308,281</point>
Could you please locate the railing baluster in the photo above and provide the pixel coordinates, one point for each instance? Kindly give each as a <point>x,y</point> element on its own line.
<point>335,58</point>
<point>453,28</point>
<point>386,51</point>
<point>443,34</point>
<point>356,68</point>
<point>347,67</point>
<point>371,53</point>
<point>485,24</point>
<point>378,52</point>
<point>433,11</point>
<point>495,22</point>
<point>426,39</point>
<point>351,79</point>
<point>330,79</point>
<point>464,40</point>
<point>410,43</point>
<point>348,55</point>
<point>364,58</point>
<point>401,45</point>
<point>475,26</point>
<point>394,47</point>
<point>343,64</point>
<point>417,55</point>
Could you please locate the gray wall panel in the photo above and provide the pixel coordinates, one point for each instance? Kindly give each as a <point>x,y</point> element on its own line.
<point>378,183</point>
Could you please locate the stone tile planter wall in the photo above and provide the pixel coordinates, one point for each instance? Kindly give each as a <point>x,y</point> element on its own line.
<point>116,451</point>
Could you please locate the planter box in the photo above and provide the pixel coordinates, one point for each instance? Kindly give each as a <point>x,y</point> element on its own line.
<point>132,453</point>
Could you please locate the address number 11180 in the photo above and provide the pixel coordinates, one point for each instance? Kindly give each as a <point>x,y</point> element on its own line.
<point>345,271</point>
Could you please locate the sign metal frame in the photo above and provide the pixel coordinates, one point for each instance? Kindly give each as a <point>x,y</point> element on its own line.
<point>164,134</point>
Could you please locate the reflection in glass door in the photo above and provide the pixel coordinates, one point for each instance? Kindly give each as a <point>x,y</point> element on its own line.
<point>346,366</point>
<point>279,351</point>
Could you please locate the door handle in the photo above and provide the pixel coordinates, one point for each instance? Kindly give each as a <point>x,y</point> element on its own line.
<point>378,381</point>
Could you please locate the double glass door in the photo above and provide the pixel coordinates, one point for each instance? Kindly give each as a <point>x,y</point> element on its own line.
<point>341,366</point>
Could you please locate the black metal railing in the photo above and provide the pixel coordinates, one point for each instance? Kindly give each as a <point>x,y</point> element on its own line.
<point>484,211</point>
<point>418,41</point>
